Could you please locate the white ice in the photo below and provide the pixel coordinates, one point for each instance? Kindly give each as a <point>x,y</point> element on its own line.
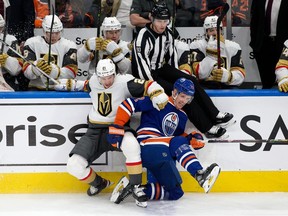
<point>193,204</point>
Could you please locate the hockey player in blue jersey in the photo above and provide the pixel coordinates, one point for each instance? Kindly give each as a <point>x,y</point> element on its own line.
<point>163,141</point>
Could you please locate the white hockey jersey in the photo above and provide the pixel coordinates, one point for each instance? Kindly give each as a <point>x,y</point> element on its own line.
<point>12,64</point>
<point>202,65</point>
<point>282,65</point>
<point>123,67</point>
<point>64,59</point>
<point>106,101</point>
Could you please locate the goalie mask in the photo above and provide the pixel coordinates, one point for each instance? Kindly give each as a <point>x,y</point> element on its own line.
<point>57,24</point>
<point>105,67</point>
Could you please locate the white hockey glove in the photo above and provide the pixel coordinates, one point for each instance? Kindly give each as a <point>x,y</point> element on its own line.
<point>112,48</point>
<point>94,43</point>
<point>3,58</point>
<point>220,75</point>
<point>211,49</point>
<point>68,85</point>
<point>283,84</point>
<point>157,96</point>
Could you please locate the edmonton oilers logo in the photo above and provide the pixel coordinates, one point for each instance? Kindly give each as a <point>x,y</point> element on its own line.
<point>169,123</point>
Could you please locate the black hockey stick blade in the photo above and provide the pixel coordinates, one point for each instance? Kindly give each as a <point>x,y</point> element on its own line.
<point>224,11</point>
<point>275,141</point>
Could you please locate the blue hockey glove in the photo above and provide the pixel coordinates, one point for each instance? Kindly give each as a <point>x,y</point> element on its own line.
<point>115,135</point>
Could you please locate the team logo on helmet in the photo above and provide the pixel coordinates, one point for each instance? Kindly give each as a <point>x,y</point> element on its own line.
<point>104,103</point>
<point>170,123</point>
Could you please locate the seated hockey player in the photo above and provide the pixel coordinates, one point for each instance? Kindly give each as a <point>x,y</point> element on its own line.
<point>62,62</point>
<point>282,69</point>
<point>10,63</point>
<point>204,59</point>
<point>163,142</point>
<point>108,46</point>
<point>107,91</point>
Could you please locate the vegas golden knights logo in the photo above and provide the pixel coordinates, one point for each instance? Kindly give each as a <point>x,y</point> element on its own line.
<point>104,103</point>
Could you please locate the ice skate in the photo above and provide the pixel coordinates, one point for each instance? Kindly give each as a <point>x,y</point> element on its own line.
<point>225,120</point>
<point>206,178</point>
<point>92,191</point>
<point>216,132</point>
<point>123,190</point>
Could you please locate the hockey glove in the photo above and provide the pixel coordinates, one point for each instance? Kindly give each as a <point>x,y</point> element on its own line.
<point>220,75</point>
<point>283,84</point>
<point>3,58</point>
<point>69,85</point>
<point>196,140</point>
<point>94,43</point>
<point>112,48</point>
<point>157,96</point>
<point>44,66</point>
<point>115,135</point>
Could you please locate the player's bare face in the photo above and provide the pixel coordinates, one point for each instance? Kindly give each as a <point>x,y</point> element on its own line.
<point>113,35</point>
<point>159,26</point>
<point>107,81</point>
<point>55,36</point>
<point>213,32</point>
<point>181,99</point>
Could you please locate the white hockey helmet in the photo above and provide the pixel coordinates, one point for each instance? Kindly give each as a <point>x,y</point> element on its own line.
<point>57,24</point>
<point>2,21</point>
<point>110,24</point>
<point>211,22</point>
<point>105,67</point>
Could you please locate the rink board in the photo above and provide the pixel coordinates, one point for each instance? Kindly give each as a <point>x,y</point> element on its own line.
<point>39,129</point>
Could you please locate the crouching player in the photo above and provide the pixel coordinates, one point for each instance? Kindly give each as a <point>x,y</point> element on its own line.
<point>163,142</point>
<point>107,91</point>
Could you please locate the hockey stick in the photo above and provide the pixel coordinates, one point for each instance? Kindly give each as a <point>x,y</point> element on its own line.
<point>49,48</point>
<point>7,14</point>
<point>29,62</point>
<point>275,141</point>
<point>4,86</point>
<point>224,11</point>
<point>98,3</point>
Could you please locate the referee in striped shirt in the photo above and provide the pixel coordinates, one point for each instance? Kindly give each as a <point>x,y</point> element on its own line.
<point>154,57</point>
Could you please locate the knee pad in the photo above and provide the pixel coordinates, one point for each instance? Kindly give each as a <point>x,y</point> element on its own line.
<point>77,166</point>
<point>130,148</point>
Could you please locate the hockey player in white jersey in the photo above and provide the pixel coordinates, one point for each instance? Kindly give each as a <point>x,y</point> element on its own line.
<point>204,58</point>
<point>107,91</point>
<point>63,56</point>
<point>10,64</point>
<point>282,69</point>
<point>109,46</point>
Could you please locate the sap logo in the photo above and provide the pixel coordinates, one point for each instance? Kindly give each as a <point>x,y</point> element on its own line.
<point>279,125</point>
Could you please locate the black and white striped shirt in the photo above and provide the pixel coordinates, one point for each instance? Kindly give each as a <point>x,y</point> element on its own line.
<point>151,50</point>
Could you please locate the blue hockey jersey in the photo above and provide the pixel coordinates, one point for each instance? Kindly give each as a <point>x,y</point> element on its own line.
<point>164,123</point>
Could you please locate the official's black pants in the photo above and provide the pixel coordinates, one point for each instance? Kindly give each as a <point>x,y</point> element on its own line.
<point>201,111</point>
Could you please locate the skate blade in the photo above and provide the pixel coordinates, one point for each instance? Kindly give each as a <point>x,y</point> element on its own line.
<point>141,204</point>
<point>123,182</point>
<point>208,184</point>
